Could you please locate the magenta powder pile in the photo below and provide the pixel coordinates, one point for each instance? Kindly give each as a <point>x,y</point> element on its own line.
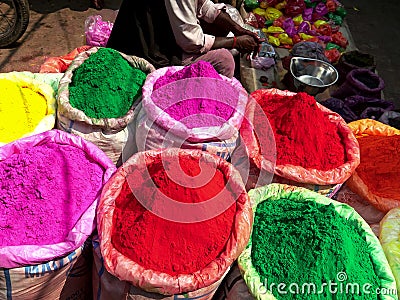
<point>195,112</point>
<point>44,190</point>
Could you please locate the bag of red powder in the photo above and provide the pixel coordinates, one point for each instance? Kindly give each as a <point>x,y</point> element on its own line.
<point>172,238</point>
<point>182,108</point>
<point>376,179</point>
<point>260,144</point>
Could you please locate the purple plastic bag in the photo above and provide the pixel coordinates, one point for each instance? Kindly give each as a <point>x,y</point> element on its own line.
<point>340,107</point>
<point>304,27</point>
<point>367,107</point>
<point>262,63</point>
<point>288,26</point>
<point>97,31</point>
<point>321,9</point>
<point>325,38</point>
<point>307,14</point>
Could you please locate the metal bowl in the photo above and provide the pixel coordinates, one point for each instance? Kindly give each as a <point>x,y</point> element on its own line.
<point>312,76</point>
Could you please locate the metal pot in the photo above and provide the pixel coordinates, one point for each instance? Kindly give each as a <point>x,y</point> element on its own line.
<point>312,76</point>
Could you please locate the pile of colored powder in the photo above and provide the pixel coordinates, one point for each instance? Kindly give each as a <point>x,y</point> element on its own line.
<point>379,165</point>
<point>105,85</point>
<point>21,110</point>
<point>196,112</point>
<point>44,191</point>
<point>303,242</point>
<point>304,135</point>
<point>167,246</point>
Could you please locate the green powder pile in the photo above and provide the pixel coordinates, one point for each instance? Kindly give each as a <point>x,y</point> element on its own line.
<point>304,242</point>
<point>105,85</point>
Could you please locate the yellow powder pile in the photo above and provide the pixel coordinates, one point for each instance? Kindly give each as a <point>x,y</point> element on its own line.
<point>21,110</point>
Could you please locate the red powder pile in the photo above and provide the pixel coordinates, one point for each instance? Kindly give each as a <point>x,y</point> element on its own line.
<point>304,135</point>
<point>44,190</point>
<point>195,112</point>
<point>167,246</point>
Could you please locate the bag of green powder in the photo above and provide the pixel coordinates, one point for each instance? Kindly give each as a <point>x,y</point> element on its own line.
<point>298,247</point>
<point>389,236</point>
<point>113,135</point>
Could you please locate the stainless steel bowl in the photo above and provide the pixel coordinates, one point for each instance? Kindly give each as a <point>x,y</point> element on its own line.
<point>312,76</point>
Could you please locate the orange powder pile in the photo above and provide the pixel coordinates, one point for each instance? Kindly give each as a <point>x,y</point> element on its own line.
<point>379,168</point>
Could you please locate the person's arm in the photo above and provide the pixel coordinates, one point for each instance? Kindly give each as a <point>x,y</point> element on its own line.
<point>246,40</point>
<point>187,31</point>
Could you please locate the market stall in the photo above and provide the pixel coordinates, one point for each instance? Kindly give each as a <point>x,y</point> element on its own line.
<point>131,182</point>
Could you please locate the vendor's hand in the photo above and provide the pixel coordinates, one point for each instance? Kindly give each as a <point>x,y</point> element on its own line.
<point>246,44</point>
<point>241,31</point>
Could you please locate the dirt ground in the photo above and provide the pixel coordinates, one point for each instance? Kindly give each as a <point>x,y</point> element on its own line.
<point>56,27</point>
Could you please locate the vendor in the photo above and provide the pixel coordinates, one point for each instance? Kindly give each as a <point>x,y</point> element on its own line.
<point>180,32</point>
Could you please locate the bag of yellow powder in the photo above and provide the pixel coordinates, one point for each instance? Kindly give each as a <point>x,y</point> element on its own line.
<point>115,136</point>
<point>376,179</point>
<point>27,106</point>
<point>389,236</point>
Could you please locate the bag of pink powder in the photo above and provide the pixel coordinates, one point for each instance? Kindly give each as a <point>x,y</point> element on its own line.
<point>191,107</point>
<point>50,186</point>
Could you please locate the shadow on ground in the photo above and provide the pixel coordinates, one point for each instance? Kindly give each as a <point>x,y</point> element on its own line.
<point>50,6</point>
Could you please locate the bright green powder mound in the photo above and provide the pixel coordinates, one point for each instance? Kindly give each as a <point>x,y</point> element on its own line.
<point>305,244</point>
<point>105,85</point>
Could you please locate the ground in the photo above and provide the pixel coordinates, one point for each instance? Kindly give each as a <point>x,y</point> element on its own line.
<point>57,27</point>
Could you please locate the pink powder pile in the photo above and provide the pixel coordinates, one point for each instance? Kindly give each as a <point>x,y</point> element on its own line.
<point>43,192</point>
<point>195,112</point>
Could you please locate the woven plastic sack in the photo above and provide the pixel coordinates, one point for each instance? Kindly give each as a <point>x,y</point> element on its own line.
<point>66,277</point>
<point>369,127</point>
<point>60,64</point>
<point>325,182</point>
<point>107,287</point>
<point>150,136</point>
<point>38,86</point>
<point>233,287</point>
<point>16,256</point>
<point>389,236</point>
<point>110,135</point>
<point>274,192</point>
<point>153,281</point>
